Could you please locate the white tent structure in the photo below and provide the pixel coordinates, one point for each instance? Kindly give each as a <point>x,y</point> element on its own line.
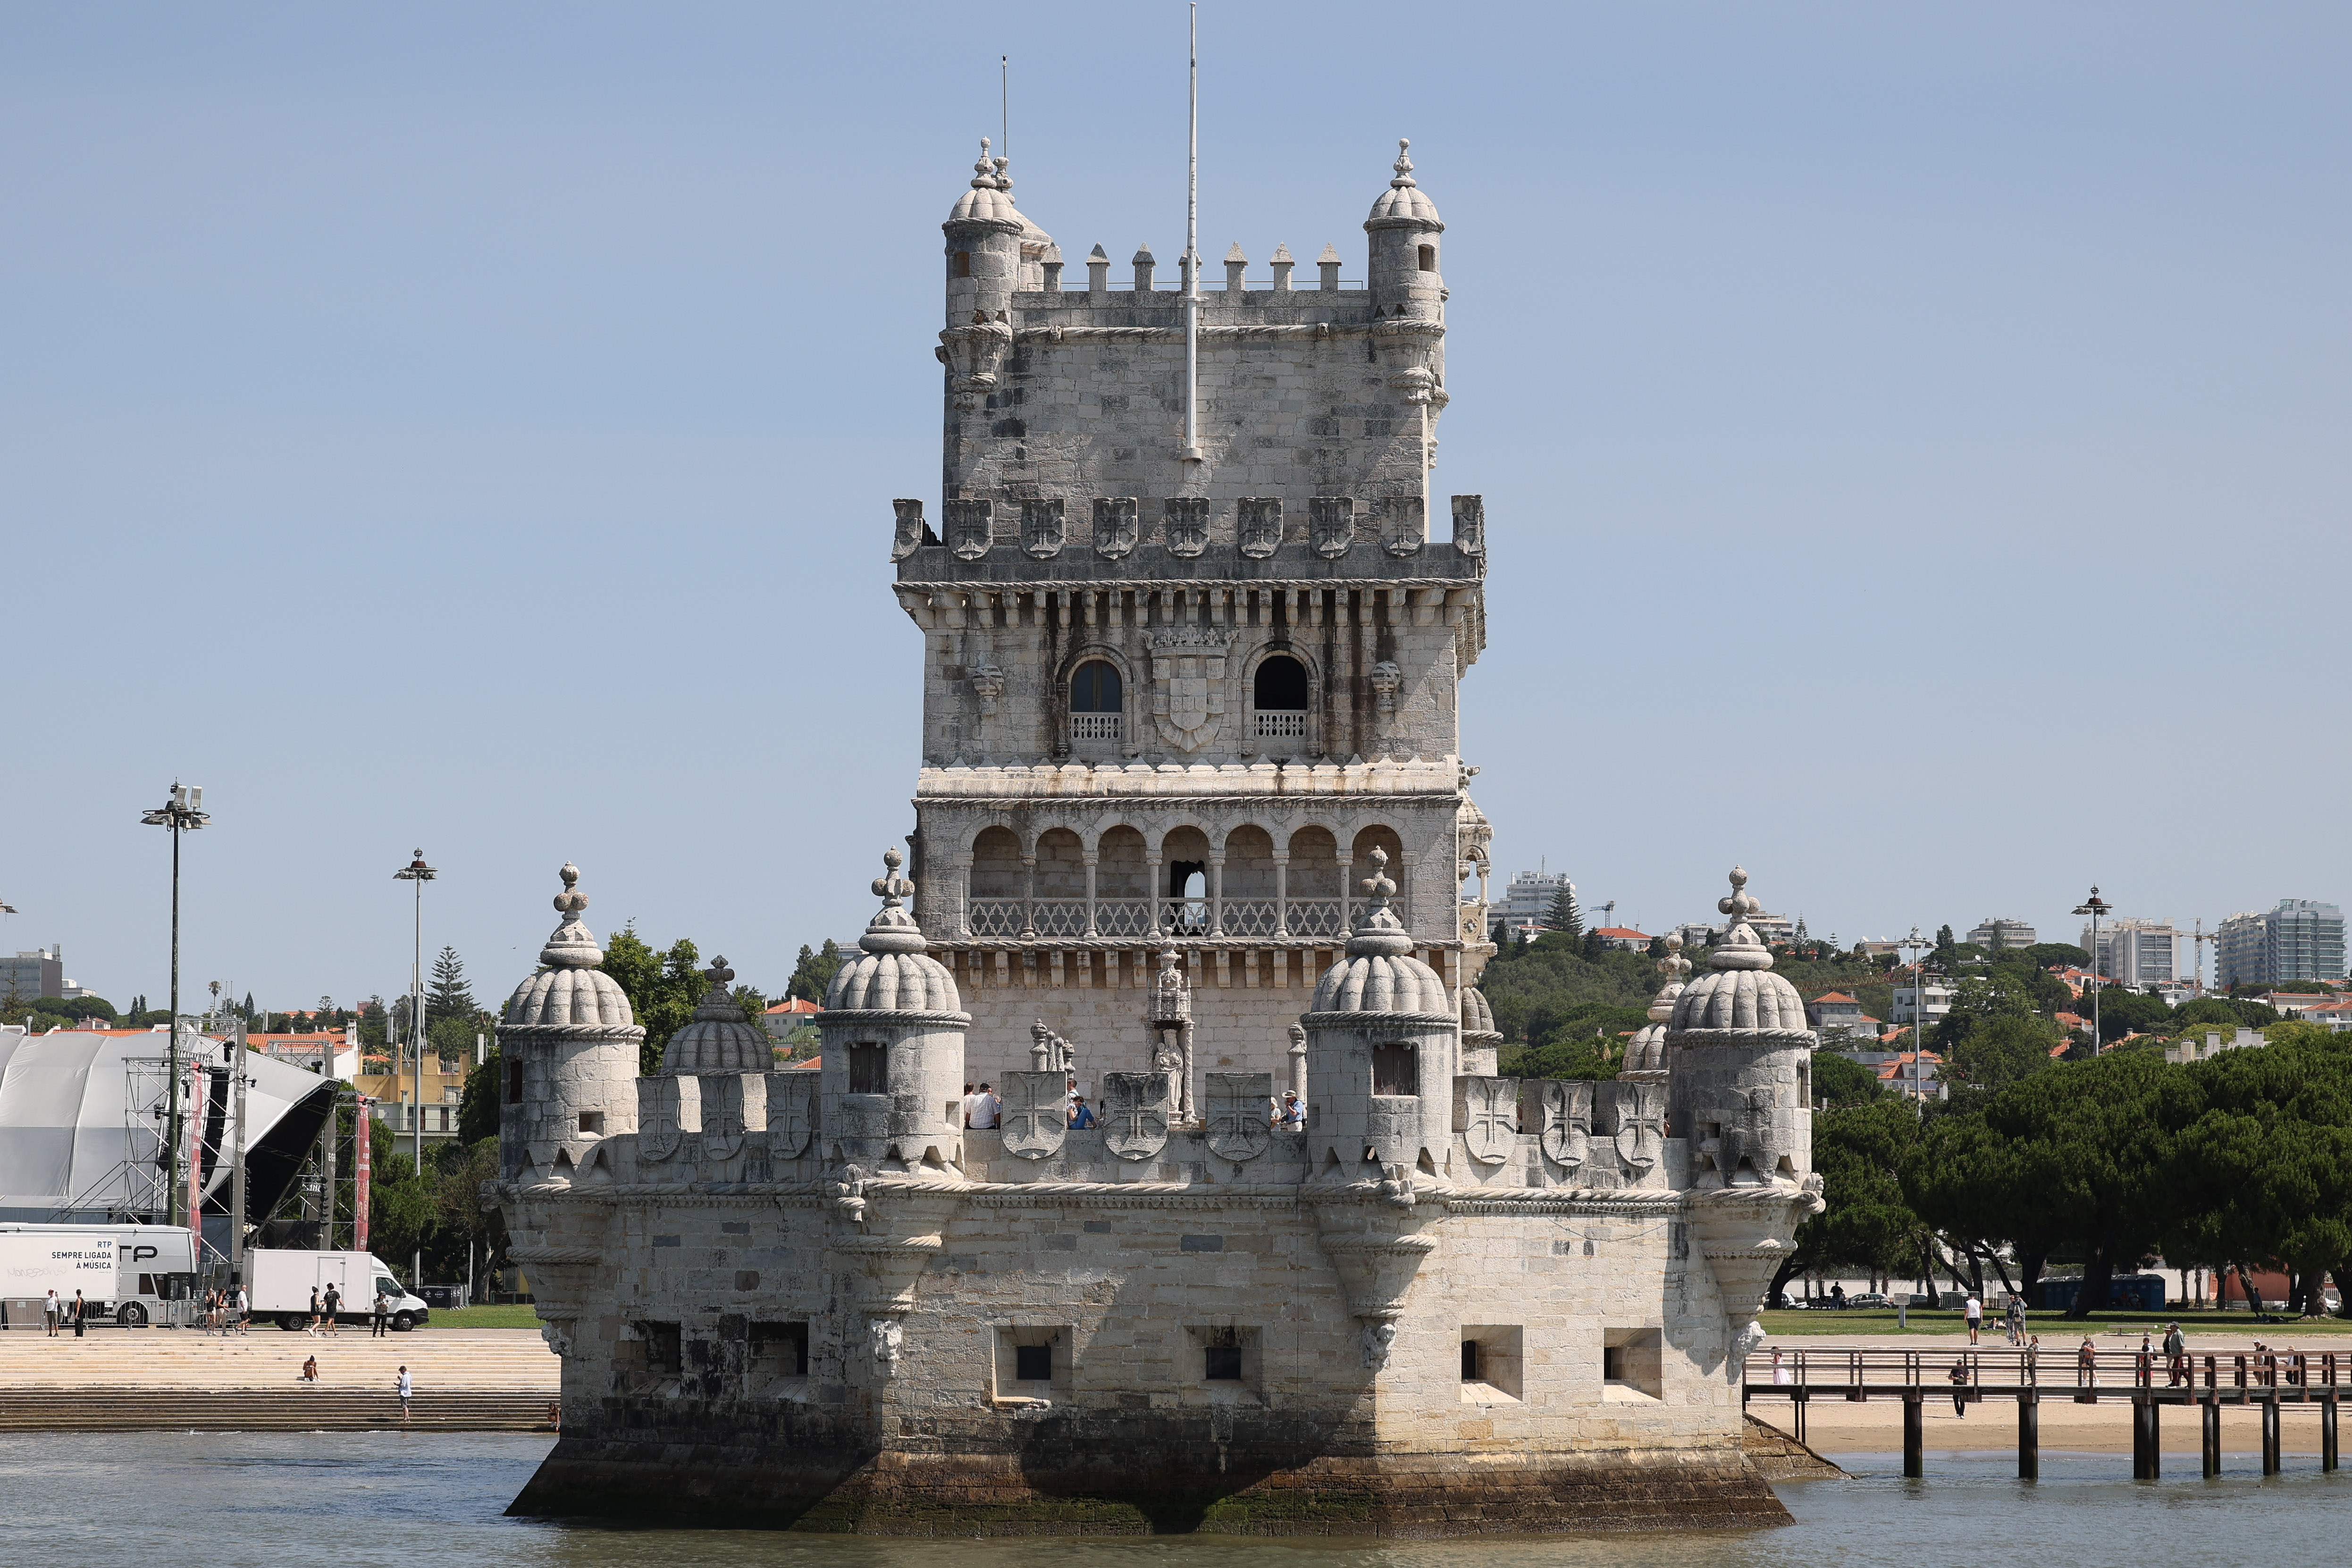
<point>82,1118</point>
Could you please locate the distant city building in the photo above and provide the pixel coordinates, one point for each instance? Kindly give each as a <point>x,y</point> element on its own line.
<point>1907,993</point>
<point>1624,939</point>
<point>2210,1043</point>
<point>1840,1018</point>
<point>1992,934</point>
<point>1527,901</point>
<point>791,1013</point>
<point>2137,953</point>
<point>34,975</point>
<point>2300,940</point>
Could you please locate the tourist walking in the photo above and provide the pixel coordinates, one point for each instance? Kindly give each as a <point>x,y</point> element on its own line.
<point>380,1324</point>
<point>334,1303</point>
<point>2087,1364</point>
<point>407,1389</point>
<point>313,1329</point>
<point>2016,1315</point>
<point>2175,1357</point>
<point>1837,1294</point>
<point>54,1310</point>
<point>1974,1309</point>
<point>244,1311</point>
<point>1959,1380</point>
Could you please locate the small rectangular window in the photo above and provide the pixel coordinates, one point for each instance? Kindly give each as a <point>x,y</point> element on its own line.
<point>1224,1364</point>
<point>514,1082</point>
<point>869,1071</point>
<point>779,1350</point>
<point>592,1122</point>
<point>1394,1071</point>
<point>1429,258</point>
<point>662,1348</point>
<point>1033,1363</point>
<point>963,263</point>
<point>1470,1361</point>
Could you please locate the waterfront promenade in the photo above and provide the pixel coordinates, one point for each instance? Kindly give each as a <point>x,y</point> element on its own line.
<point>475,1380</point>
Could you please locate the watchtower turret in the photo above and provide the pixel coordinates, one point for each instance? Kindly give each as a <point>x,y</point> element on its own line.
<point>893,1032</point>
<point>1404,227</point>
<point>570,1042</point>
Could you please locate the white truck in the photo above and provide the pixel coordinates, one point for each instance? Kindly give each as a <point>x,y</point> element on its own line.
<point>124,1272</point>
<point>282,1283</point>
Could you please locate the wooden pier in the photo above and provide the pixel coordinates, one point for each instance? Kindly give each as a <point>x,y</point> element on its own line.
<point>2149,1380</point>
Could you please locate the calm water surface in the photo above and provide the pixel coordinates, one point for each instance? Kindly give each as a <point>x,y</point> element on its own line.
<point>383,1500</point>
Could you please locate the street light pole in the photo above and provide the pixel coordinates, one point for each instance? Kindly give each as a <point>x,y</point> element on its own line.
<point>417,873</point>
<point>2094,906</point>
<point>182,813</point>
<point>1918,946</point>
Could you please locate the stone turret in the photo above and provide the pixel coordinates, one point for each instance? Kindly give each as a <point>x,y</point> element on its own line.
<point>570,1044</point>
<point>1482,1043</point>
<point>1404,227</point>
<point>1645,1057</point>
<point>893,1041</point>
<point>1384,1044</point>
<point>1739,1078</point>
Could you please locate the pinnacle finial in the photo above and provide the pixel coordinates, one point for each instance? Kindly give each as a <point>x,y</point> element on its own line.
<point>571,901</point>
<point>1378,885</point>
<point>1403,180</point>
<point>890,887</point>
<point>1740,904</point>
<point>718,973</point>
<point>1004,181</point>
<point>982,177</point>
<point>1674,965</point>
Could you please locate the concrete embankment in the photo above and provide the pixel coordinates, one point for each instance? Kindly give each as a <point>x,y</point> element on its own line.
<point>134,1380</point>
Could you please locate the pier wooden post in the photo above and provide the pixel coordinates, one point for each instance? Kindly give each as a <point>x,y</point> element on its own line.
<point>1797,1403</point>
<point>2271,1435</point>
<point>2327,1431</point>
<point>2142,1439</point>
<point>2028,1437</point>
<point>1915,1436</point>
<point>2211,1408</point>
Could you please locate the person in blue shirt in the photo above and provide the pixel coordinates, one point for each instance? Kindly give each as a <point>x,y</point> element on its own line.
<point>1081,1114</point>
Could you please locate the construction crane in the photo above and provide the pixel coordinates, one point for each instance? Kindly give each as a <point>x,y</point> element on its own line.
<point>2200,936</point>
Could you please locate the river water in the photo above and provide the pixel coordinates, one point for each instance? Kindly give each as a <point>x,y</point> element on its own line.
<point>393,1501</point>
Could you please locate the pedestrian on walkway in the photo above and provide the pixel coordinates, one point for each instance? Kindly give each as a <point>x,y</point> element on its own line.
<point>54,1310</point>
<point>244,1311</point>
<point>1958,1376</point>
<point>2175,1357</point>
<point>379,1325</point>
<point>334,1306</point>
<point>80,1307</point>
<point>2087,1364</point>
<point>2016,1318</point>
<point>1975,1311</point>
<point>313,1329</point>
<point>407,1387</point>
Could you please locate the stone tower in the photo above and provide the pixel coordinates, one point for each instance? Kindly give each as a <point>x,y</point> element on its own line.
<point>1176,703</point>
<point>569,1041</point>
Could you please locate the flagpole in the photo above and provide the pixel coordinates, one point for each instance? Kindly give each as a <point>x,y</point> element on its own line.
<point>1193,252</point>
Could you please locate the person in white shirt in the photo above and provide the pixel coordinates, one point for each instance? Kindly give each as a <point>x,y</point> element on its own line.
<point>984,1108</point>
<point>406,1389</point>
<point>971,1103</point>
<point>56,1310</point>
<point>1975,1311</point>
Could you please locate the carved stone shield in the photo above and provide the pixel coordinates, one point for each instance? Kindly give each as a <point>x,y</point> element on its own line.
<point>1403,528</point>
<point>1487,1112</point>
<point>1641,1125</point>
<point>1470,523</point>
<point>1188,676</point>
<point>1393,1129</point>
<point>792,1114</point>
<point>1330,524</point>
<point>1260,526</point>
<point>659,1121</point>
<point>1036,1114</point>
<point>1041,533</point>
<point>1749,1132</point>
<point>1135,1113</point>
<point>907,533</point>
<point>1116,526</point>
<point>1567,1123</point>
<point>1239,1106</point>
<point>969,523</point>
<point>1184,525</point>
<point>722,1115</point>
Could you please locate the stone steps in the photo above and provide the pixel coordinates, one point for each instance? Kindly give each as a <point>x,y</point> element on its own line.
<point>321,1409</point>
<point>515,1361</point>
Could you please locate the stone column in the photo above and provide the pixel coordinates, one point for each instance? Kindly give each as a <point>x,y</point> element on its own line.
<point>1091,859</point>
<point>1217,893</point>
<point>1151,886</point>
<point>1347,891</point>
<point>1282,893</point>
<point>1029,896</point>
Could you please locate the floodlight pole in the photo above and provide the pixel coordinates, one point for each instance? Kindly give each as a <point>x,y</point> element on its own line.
<point>417,873</point>
<point>2094,906</point>
<point>1918,945</point>
<point>182,812</point>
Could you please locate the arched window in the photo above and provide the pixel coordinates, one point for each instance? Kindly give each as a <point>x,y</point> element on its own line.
<point>1280,697</point>
<point>1097,701</point>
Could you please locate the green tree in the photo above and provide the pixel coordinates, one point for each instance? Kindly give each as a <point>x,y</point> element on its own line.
<point>1966,1181</point>
<point>1565,917</point>
<point>2000,1050</point>
<point>663,988</point>
<point>1859,1150</point>
<point>404,1210</point>
<point>2042,955</point>
<point>812,976</point>
<point>447,994</point>
<point>477,1103</point>
<point>1843,1081</point>
<point>2089,1140</point>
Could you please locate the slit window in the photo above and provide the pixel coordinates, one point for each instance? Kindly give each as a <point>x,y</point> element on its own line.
<point>514,1082</point>
<point>964,261</point>
<point>1429,258</point>
<point>1394,1070</point>
<point>1470,1361</point>
<point>869,1069</point>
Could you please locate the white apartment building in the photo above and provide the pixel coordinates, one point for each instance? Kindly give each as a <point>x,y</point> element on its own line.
<point>1527,901</point>
<point>2001,933</point>
<point>1906,1005</point>
<point>2301,939</point>
<point>2137,953</point>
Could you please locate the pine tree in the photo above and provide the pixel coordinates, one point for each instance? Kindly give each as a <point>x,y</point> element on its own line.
<point>446,995</point>
<point>1565,917</point>
<point>812,976</point>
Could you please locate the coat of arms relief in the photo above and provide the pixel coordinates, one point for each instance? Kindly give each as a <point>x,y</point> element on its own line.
<point>1188,682</point>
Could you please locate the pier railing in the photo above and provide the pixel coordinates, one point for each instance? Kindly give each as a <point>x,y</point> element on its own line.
<point>2147,1379</point>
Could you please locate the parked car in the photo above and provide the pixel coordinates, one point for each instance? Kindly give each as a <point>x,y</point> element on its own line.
<point>1867,1299</point>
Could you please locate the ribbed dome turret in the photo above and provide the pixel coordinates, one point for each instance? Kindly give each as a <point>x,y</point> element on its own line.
<point>893,972</point>
<point>1380,973</point>
<point>721,1038</point>
<point>1477,1015</point>
<point>572,992</point>
<point>1403,201</point>
<point>1645,1057</point>
<point>1743,995</point>
<point>990,198</point>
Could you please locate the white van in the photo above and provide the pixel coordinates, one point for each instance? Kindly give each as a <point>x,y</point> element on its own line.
<point>282,1283</point>
<point>126,1272</point>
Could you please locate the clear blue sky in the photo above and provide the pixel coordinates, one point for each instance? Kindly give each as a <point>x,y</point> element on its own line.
<point>1912,438</point>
